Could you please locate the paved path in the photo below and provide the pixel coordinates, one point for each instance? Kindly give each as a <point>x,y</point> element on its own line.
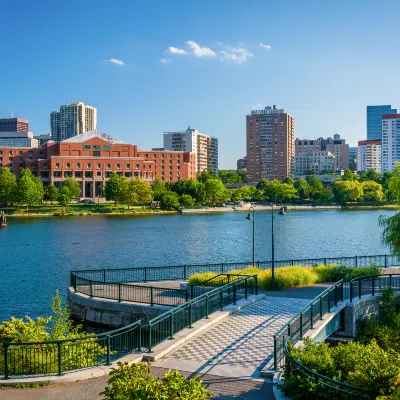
<point>223,389</point>
<point>239,346</point>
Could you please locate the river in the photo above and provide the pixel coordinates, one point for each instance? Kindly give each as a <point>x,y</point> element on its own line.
<point>36,254</point>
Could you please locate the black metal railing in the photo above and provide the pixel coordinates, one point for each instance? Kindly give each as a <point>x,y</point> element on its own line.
<point>57,357</point>
<point>295,329</point>
<point>183,272</point>
<point>129,292</point>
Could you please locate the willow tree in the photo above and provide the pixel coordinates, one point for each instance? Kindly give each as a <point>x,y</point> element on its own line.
<point>391,225</point>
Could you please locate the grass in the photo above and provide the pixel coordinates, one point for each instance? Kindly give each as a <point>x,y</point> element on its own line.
<point>295,276</point>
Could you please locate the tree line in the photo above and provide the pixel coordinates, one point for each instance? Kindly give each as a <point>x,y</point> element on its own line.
<point>207,188</point>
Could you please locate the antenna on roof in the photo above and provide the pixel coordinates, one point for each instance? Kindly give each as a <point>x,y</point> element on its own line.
<point>12,112</point>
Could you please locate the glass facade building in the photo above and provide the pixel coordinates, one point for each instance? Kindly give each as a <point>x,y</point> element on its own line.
<point>374,120</point>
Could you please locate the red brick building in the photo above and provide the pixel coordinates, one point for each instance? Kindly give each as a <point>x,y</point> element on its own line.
<point>91,157</point>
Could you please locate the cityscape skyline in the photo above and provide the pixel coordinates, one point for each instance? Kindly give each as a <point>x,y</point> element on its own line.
<point>146,63</point>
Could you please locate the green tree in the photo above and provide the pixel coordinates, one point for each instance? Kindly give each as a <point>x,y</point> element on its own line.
<point>262,184</point>
<point>370,175</point>
<point>64,196</point>
<point>51,193</point>
<point>243,175</point>
<point>159,189</point>
<point>127,192</point>
<point>29,189</point>
<point>134,382</point>
<point>348,175</point>
<point>303,188</point>
<point>186,200</point>
<point>372,191</point>
<point>288,180</point>
<point>315,186</point>
<point>345,191</point>
<point>214,188</point>
<point>204,176</point>
<point>229,176</point>
<point>112,187</point>
<point>74,188</point>
<point>281,191</point>
<point>169,201</point>
<point>143,191</point>
<point>8,183</point>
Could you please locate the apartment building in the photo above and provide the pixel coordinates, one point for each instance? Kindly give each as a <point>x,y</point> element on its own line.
<point>339,149</point>
<point>307,146</point>
<point>90,158</point>
<point>270,137</point>
<point>369,155</point>
<point>317,162</point>
<point>390,141</point>
<point>241,164</point>
<point>72,120</point>
<point>204,146</point>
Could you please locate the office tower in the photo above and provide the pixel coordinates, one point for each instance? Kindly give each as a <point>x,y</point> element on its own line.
<point>14,125</point>
<point>353,155</point>
<point>18,139</point>
<point>270,144</point>
<point>204,146</point>
<point>390,141</point>
<point>369,155</point>
<point>72,120</point>
<point>374,120</point>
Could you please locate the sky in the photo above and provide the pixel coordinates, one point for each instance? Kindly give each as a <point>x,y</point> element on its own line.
<point>161,65</point>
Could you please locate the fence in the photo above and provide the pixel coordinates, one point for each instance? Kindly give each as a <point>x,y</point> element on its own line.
<point>295,329</point>
<point>183,272</point>
<point>56,357</point>
<point>127,292</point>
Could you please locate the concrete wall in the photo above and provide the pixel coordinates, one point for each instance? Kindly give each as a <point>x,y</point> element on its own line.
<point>109,312</point>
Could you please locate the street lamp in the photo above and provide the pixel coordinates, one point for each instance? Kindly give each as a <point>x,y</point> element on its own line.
<point>251,218</point>
<point>272,248</point>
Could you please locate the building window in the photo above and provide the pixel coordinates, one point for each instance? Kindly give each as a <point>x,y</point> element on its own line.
<point>128,166</point>
<point>96,147</point>
<point>106,147</point>
<point>118,166</point>
<point>78,165</point>
<point>67,174</point>
<point>57,165</point>
<point>109,166</point>
<point>108,174</point>
<point>98,165</point>
<point>98,173</point>
<point>154,155</point>
<point>88,174</point>
<point>137,166</point>
<point>89,165</point>
<point>10,153</point>
<point>68,165</point>
<point>128,174</point>
<point>85,146</point>
<point>57,174</point>
<point>96,154</point>
<point>78,174</point>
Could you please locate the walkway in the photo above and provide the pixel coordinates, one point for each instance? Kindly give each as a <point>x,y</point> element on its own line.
<point>239,346</point>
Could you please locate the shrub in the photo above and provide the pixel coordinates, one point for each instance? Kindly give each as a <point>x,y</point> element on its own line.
<point>134,382</point>
<point>200,277</point>
<point>349,273</point>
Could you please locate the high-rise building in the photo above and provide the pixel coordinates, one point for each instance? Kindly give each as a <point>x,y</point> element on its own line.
<point>72,120</point>
<point>374,120</point>
<point>18,139</point>
<point>270,144</point>
<point>353,156</point>
<point>339,149</point>
<point>204,146</point>
<point>369,155</point>
<point>14,125</point>
<point>390,141</point>
<point>308,146</point>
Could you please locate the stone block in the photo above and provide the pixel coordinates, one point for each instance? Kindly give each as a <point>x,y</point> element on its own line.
<point>112,319</point>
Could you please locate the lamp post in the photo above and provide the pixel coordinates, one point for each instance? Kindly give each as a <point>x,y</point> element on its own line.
<point>251,218</point>
<point>272,248</point>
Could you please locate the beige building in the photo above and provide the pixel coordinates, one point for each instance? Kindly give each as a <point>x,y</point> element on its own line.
<point>340,150</point>
<point>204,146</point>
<point>369,155</point>
<point>270,144</point>
<point>72,120</point>
<point>317,162</point>
<point>308,146</point>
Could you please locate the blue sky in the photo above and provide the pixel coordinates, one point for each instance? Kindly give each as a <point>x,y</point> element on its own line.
<point>200,63</point>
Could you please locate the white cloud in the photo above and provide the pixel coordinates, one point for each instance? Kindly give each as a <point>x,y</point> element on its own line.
<point>265,46</point>
<point>164,60</point>
<point>238,55</point>
<point>200,51</point>
<point>258,106</point>
<point>114,61</point>
<point>175,50</point>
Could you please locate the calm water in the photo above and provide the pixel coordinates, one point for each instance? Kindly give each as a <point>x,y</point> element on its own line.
<point>36,255</point>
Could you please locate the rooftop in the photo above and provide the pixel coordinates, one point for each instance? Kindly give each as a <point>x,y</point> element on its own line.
<point>93,134</point>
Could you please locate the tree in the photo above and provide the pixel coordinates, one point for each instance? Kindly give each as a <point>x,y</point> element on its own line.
<point>51,193</point>
<point>169,201</point>
<point>127,192</point>
<point>229,176</point>
<point>64,196</point>
<point>370,175</point>
<point>315,186</point>
<point>112,187</point>
<point>186,200</point>
<point>73,186</point>
<point>204,176</point>
<point>345,191</point>
<point>214,188</point>
<point>8,183</point>
<point>372,191</point>
<point>143,190</point>
<point>281,191</point>
<point>243,175</point>
<point>348,175</point>
<point>288,180</point>
<point>158,187</point>
<point>29,189</point>
<point>262,184</point>
<point>134,382</point>
<point>303,188</point>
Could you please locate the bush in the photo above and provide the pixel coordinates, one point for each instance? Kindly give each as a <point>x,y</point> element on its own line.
<point>349,273</point>
<point>134,382</point>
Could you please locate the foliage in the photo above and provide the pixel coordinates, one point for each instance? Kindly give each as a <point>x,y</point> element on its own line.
<point>230,176</point>
<point>112,187</point>
<point>262,184</point>
<point>73,187</point>
<point>64,196</point>
<point>29,189</point>
<point>281,191</point>
<point>143,191</point>
<point>303,188</point>
<point>8,183</point>
<point>214,189</point>
<point>127,193</point>
<point>158,187</point>
<point>372,191</point>
<point>370,175</point>
<point>186,200</point>
<point>169,201</point>
<point>57,326</point>
<point>135,382</point>
<point>50,193</point>
<point>347,190</point>
<point>391,232</point>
